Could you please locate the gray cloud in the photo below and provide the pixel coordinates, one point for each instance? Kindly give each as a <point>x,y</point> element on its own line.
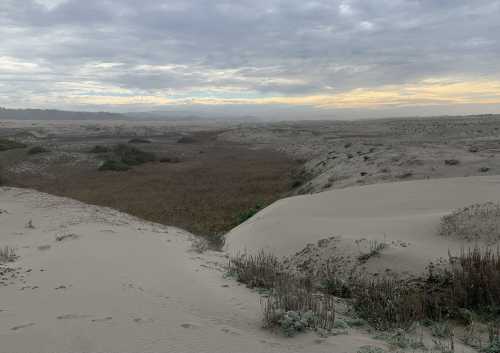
<point>239,48</point>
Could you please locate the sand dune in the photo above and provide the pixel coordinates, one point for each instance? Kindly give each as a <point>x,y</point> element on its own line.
<point>405,215</point>
<point>91,279</point>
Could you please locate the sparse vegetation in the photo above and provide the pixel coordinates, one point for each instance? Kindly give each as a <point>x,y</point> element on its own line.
<point>100,149</point>
<point>376,248</point>
<point>451,162</point>
<point>112,165</point>
<point>6,144</point>
<point>259,270</point>
<point>139,140</point>
<point>133,156</point>
<point>186,139</point>
<point>291,302</point>
<point>245,215</point>
<point>37,150</point>
<point>124,157</point>
<point>169,160</point>
<point>7,254</point>
<point>475,222</point>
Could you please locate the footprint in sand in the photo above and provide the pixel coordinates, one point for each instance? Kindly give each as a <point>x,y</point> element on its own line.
<point>20,327</point>
<point>139,320</point>
<point>71,316</point>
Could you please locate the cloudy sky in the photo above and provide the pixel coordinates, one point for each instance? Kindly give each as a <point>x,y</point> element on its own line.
<point>315,58</point>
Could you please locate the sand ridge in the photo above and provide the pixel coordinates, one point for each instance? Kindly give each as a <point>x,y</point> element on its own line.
<point>405,215</point>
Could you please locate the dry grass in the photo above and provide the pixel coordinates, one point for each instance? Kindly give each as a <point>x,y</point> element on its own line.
<point>475,222</point>
<point>205,193</point>
<point>387,303</point>
<point>291,302</point>
<point>293,306</point>
<point>7,254</point>
<point>262,270</point>
<point>475,281</point>
<point>471,285</point>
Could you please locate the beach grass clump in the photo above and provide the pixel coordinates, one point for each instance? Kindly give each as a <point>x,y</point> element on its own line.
<point>387,303</point>
<point>290,302</point>
<point>294,306</point>
<point>260,270</point>
<point>7,254</point>
<point>469,287</point>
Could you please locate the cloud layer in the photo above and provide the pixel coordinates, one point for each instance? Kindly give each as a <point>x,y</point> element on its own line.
<point>323,54</point>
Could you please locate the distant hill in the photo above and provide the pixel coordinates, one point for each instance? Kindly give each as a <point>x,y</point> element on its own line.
<point>39,114</point>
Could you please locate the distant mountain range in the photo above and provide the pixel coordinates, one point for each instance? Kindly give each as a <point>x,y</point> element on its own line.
<point>39,114</point>
<point>170,115</point>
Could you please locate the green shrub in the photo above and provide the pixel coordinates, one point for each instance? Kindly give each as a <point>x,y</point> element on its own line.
<point>113,165</point>
<point>245,215</point>
<point>37,150</point>
<point>133,156</point>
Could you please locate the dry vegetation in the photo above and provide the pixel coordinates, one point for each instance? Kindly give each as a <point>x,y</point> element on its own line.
<point>290,302</point>
<point>475,222</point>
<point>205,186</point>
<point>7,254</point>
<point>466,292</point>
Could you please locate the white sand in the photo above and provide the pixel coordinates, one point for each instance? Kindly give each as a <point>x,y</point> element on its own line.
<point>119,284</point>
<point>407,212</point>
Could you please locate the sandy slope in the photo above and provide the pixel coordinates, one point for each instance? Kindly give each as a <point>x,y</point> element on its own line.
<point>405,215</point>
<point>118,284</point>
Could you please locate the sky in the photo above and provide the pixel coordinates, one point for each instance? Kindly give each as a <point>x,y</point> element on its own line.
<point>274,58</point>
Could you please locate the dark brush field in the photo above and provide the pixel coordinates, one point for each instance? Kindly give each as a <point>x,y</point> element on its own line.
<point>203,186</point>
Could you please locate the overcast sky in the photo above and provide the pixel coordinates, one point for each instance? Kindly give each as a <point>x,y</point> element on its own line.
<point>313,58</point>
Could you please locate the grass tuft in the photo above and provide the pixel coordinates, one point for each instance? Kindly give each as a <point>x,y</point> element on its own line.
<point>7,254</point>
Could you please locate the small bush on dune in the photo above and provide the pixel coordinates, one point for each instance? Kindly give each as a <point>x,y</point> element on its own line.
<point>452,162</point>
<point>6,144</point>
<point>186,139</point>
<point>116,166</point>
<point>126,156</point>
<point>100,149</point>
<point>133,156</point>
<point>37,150</point>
